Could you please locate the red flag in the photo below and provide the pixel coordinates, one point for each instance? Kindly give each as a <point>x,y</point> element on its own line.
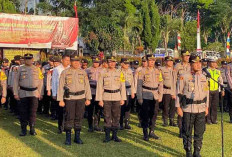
<point>198,19</point>
<point>75,8</point>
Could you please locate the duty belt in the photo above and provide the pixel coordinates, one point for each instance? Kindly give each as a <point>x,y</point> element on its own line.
<point>28,89</point>
<point>149,88</point>
<point>77,93</point>
<point>167,87</point>
<point>128,87</point>
<point>111,91</point>
<point>190,101</point>
<point>225,82</point>
<point>93,86</point>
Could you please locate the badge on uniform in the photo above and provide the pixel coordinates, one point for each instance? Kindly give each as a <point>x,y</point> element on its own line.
<point>191,86</point>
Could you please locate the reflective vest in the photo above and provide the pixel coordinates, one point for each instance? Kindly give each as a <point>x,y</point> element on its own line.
<point>215,74</point>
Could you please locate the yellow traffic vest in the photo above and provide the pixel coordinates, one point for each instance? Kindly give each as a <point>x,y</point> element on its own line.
<point>215,74</point>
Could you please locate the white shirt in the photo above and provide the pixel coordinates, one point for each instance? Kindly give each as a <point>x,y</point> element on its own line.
<point>56,77</point>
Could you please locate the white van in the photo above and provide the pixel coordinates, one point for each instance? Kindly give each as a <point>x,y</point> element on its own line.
<point>170,52</point>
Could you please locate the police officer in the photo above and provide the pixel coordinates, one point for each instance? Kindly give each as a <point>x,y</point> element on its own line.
<point>94,109</point>
<point>214,91</point>
<point>136,76</point>
<point>182,68</point>
<point>226,99</point>
<point>74,93</point>
<point>134,104</point>
<point>149,94</point>
<point>130,91</point>
<point>3,86</point>
<point>177,61</point>
<point>28,83</point>
<point>169,95</point>
<point>111,94</point>
<point>135,66</point>
<point>5,68</point>
<point>204,62</point>
<point>47,99</point>
<point>84,64</point>
<point>56,63</point>
<point>55,83</point>
<point>13,71</point>
<point>158,64</point>
<point>104,64</point>
<point>193,94</point>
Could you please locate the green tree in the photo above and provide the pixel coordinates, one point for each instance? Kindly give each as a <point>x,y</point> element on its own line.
<point>189,40</point>
<point>7,6</point>
<point>155,25</point>
<point>146,36</point>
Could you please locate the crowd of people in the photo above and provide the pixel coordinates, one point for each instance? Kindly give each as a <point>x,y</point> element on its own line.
<point>67,90</point>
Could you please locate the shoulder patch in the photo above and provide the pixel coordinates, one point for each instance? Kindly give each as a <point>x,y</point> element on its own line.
<point>160,77</point>
<point>40,74</point>
<point>3,76</point>
<point>122,78</point>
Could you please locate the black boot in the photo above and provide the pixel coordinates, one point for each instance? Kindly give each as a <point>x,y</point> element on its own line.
<point>188,153</point>
<point>172,123</point>
<point>32,130</point>
<point>97,128</point>
<point>60,130</point>
<point>107,134</point>
<point>145,134</point>
<point>77,138</point>
<point>196,154</point>
<point>165,122</point>
<point>23,130</point>
<point>68,137</point>
<point>115,136</point>
<point>153,135</point>
<point>121,126</point>
<point>90,129</point>
<point>127,126</point>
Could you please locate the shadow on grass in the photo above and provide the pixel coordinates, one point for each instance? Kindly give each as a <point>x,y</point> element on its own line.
<point>161,129</point>
<point>49,143</point>
<point>155,144</point>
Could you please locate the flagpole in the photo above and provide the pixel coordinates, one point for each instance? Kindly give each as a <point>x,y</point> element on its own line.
<point>199,50</point>
<point>228,46</point>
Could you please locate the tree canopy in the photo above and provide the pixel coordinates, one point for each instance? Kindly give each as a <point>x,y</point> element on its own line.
<point>135,25</point>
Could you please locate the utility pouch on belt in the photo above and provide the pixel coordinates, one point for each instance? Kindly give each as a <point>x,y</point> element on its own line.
<point>182,99</point>
<point>66,92</point>
<point>184,102</point>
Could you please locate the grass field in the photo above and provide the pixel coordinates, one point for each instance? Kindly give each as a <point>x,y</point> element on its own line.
<point>49,143</point>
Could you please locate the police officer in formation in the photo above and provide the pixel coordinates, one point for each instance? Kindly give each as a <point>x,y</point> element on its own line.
<point>149,94</point>
<point>111,94</point>
<point>136,76</point>
<point>73,94</point>
<point>65,62</point>
<point>53,107</point>
<point>182,68</point>
<point>103,86</point>
<point>27,88</point>
<point>46,102</point>
<point>3,86</point>
<point>94,109</point>
<point>169,91</point>
<point>13,71</point>
<point>130,92</point>
<point>5,69</point>
<point>214,91</point>
<point>193,94</point>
